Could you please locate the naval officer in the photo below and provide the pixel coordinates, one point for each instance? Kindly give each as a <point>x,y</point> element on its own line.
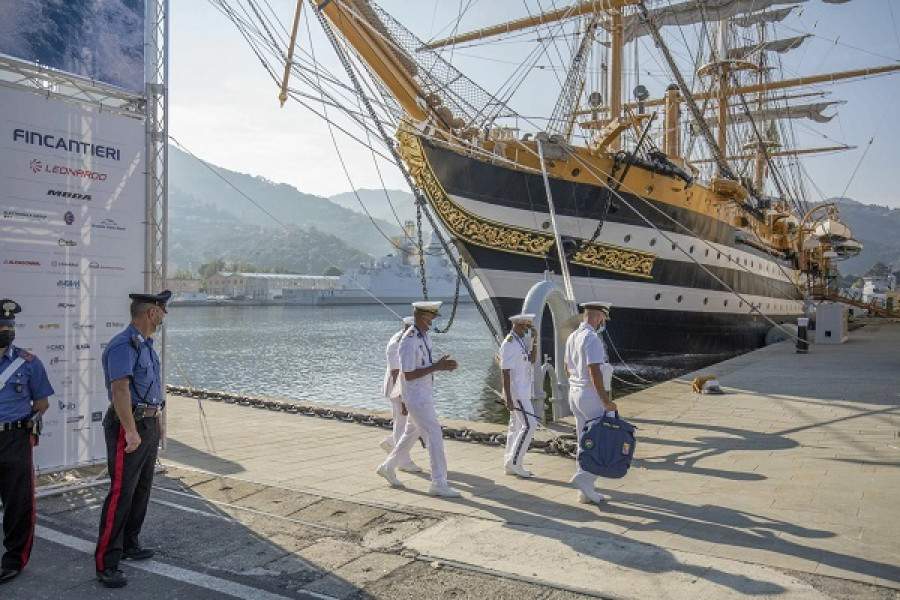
<point>131,370</point>
<point>517,356</point>
<point>417,368</point>
<point>391,391</point>
<point>24,393</point>
<point>586,361</point>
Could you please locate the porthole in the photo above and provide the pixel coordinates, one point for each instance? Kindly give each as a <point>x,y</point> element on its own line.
<point>707,252</point>
<point>545,225</point>
<point>627,238</point>
<point>718,255</point>
<point>657,297</point>
<point>725,303</point>
<point>576,172</point>
<point>653,242</point>
<point>740,305</point>
<point>706,301</point>
<point>674,246</point>
<point>692,249</point>
<point>680,298</point>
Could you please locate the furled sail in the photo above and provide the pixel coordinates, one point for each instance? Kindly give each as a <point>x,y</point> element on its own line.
<point>698,11</point>
<point>798,111</point>
<point>769,16</point>
<point>779,46</point>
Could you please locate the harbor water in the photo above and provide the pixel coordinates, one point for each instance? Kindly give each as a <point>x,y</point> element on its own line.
<point>335,356</point>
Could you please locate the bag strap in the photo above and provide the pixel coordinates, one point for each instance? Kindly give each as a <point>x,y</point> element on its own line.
<point>4,377</point>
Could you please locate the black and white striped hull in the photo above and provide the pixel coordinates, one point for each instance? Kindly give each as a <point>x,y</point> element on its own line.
<point>696,299</point>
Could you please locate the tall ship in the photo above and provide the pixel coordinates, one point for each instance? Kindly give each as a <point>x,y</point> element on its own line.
<point>688,211</point>
<point>392,279</point>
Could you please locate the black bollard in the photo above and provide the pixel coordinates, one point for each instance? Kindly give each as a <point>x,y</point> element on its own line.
<point>802,341</point>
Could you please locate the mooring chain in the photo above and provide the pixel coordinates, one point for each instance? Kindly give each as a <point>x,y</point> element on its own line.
<point>561,445</point>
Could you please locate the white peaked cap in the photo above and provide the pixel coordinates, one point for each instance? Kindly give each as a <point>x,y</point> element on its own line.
<point>603,307</point>
<point>432,306</point>
<point>522,318</point>
<point>409,320</point>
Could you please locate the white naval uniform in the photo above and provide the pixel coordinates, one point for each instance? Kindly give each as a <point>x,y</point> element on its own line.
<point>391,390</point>
<point>515,357</point>
<point>418,395</point>
<point>584,347</point>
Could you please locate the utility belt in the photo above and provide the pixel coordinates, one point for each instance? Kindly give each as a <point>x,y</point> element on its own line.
<point>34,424</point>
<point>139,411</point>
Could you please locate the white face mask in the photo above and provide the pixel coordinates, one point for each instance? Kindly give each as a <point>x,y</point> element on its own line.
<point>527,338</point>
<point>601,327</point>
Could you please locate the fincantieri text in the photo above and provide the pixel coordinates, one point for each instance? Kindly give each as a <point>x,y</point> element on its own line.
<point>60,143</point>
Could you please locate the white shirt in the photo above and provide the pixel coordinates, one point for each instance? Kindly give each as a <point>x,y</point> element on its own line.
<point>389,388</point>
<point>514,356</point>
<point>415,354</point>
<point>584,347</point>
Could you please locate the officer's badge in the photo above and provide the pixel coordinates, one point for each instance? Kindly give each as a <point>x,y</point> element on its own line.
<point>19,388</point>
<point>588,444</point>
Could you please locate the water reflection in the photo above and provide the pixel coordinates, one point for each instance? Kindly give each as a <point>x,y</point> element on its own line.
<point>335,356</point>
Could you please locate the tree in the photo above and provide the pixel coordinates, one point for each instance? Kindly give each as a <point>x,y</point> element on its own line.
<point>211,268</point>
<point>332,270</point>
<point>182,273</point>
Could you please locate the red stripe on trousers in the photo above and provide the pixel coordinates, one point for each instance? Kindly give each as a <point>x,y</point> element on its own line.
<point>114,499</point>
<point>26,552</point>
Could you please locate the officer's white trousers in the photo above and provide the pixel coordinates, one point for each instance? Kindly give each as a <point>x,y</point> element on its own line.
<point>522,426</point>
<point>400,421</point>
<point>423,422</point>
<point>586,405</point>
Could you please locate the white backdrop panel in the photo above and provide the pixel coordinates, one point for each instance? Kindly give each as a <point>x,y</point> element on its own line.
<point>72,246</point>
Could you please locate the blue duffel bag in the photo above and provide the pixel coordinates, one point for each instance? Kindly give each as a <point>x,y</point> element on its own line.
<point>607,446</point>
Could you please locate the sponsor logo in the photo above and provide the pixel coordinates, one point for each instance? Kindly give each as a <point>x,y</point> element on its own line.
<point>85,359</point>
<point>66,381</point>
<point>74,419</point>
<point>39,167</point>
<point>23,263</point>
<point>82,325</point>
<point>56,348</point>
<point>56,360</point>
<point>114,324</point>
<point>19,325</point>
<point>63,242</point>
<point>48,140</point>
<point>60,263</point>
<point>65,305</point>
<point>64,194</point>
<point>69,217</point>
<point>97,416</point>
<point>94,264</point>
<point>70,283</point>
<point>22,215</point>
<point>82,346</point>
<point>48,326</point>
<point>104,345</point>
<point>66,406</point>
<point>108,224</point>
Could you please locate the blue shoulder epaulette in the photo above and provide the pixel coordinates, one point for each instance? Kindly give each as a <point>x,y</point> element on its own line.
<point>26,355</point>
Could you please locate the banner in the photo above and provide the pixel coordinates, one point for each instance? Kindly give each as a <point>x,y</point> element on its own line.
<point>72,247</point>
<point>100,40</point>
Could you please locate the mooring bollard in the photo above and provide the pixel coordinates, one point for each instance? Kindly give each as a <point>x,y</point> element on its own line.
<point>802,341</point>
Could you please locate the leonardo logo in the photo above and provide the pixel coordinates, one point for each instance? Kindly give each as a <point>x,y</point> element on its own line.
<point>39,167</point>
<point>23,263</point>
<point>36,166</point>
<point>70,283</point>
<point>72,195</point>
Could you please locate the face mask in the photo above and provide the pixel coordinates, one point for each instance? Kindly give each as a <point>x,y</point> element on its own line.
<point>601,327</point>
<point>527,338</point>
<point>7,337</point>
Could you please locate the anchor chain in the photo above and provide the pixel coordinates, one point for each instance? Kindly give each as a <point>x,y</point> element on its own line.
<point>564,445</point>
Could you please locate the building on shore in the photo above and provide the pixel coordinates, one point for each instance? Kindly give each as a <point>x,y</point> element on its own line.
<point>264,286</point>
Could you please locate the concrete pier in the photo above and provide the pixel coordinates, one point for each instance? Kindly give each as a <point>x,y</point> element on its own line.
<point>786,486</point>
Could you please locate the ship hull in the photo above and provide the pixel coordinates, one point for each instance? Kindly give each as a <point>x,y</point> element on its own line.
<point>671,273</point>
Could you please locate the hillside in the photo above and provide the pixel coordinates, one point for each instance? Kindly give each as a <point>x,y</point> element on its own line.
<point>377,203</point>
<point>190,179</point>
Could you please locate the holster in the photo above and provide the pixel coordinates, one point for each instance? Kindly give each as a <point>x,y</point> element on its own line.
<point>35,424</point>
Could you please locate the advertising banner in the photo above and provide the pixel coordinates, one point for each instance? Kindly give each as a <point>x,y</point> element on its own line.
<point>99,40</point>
<point>72,247</point>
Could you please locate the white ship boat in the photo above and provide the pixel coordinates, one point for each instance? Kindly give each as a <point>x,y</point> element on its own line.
<point>392,279</point>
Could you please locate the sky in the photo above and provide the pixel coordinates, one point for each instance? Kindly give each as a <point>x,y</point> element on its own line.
<point>224,107</point>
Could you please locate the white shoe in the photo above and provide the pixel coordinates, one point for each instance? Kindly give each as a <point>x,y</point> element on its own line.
<point>514,469</point>
<point>595,498</point>
<point>410,467</point>
<point>585,483</point>
<point>389,474</point>
<point>386,445</point>
<point>444,490</point>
